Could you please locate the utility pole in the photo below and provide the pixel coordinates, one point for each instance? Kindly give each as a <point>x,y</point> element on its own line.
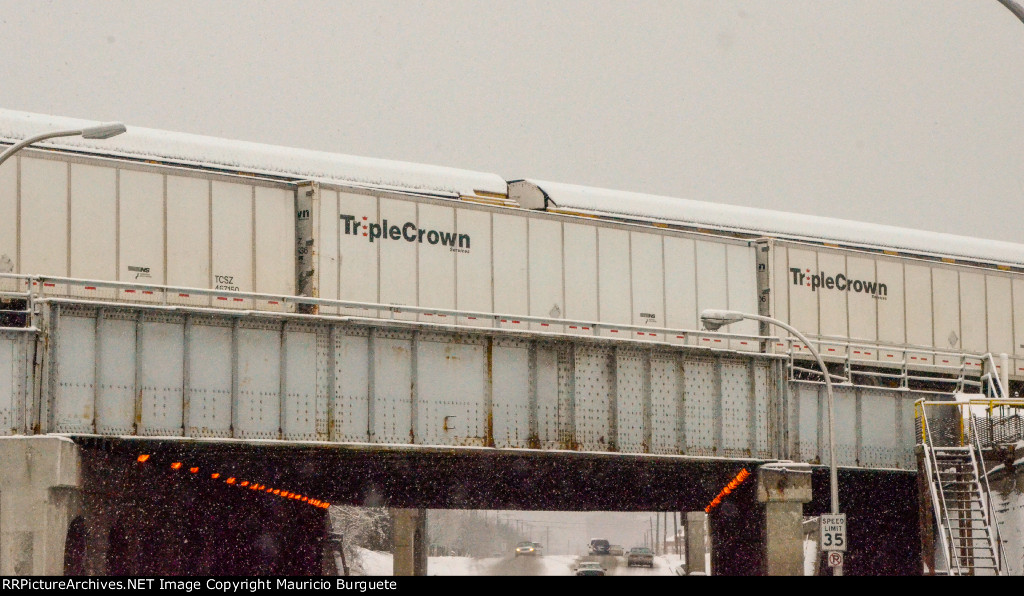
<point>664,532</point>
<point>657,530</point>
<point>675,532</point>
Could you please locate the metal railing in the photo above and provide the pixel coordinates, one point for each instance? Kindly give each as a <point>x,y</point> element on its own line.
<point>42,289</point>
<point>15,306</point>
<point>862,361</point>
<point>988,424</point>
<point>955,370</point>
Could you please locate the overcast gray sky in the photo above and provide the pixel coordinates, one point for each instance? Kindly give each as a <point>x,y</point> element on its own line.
<point>902,112</point>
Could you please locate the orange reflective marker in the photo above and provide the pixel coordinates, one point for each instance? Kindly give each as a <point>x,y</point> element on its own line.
<point>193,470</point>
<point>230,480</point>
<point>215,475</point>
<point>729,488</point>
<point>176,465</point>
<point>142,458</point>
<point>277,491</point>
<point>244,483</point>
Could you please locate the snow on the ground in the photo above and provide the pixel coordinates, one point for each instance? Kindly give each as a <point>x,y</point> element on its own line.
<point>378,563</point>
<point>1009,514</point>
<point>810,554</point>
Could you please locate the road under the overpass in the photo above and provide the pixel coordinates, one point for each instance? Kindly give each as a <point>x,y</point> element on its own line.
<point>154,518</point>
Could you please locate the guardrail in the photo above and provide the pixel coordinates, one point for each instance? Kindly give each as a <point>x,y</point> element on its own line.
<point>41,289</point>
<point>989,422</point>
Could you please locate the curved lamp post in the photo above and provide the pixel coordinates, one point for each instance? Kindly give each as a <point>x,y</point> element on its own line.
<point>1015,7</point>
<point>716,319</point>
<point>100,131</point>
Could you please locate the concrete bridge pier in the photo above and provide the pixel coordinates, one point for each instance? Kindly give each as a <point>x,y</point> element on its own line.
<point>409,527</point>
<point>40,499</point>
<point>783,489</point>
<point>696,536</point>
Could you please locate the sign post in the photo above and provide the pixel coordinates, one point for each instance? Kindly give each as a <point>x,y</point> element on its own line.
<point>833,539</point>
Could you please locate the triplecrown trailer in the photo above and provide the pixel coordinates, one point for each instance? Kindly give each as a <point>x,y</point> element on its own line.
<point>869,294</point>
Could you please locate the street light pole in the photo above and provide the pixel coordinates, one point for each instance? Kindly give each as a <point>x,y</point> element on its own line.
<point>1015,7</point>
<point>101,131</point>
<point>715,319</point>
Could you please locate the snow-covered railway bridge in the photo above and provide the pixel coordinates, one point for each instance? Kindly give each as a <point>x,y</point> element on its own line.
<point>417,414</point>
<point>125,368</point>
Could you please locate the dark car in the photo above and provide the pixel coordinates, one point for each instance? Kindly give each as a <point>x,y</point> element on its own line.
<point>640,556</point>
<point>589,568</point>
<point>599,546</point>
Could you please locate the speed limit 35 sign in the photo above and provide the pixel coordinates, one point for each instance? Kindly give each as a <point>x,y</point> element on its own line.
<point>833,532</point>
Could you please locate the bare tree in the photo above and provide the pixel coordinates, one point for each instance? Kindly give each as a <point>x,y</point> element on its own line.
<point>358,527</point>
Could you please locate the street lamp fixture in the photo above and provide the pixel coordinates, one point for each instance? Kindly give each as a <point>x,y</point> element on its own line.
<point>716,319</point>
<point>100,131</point>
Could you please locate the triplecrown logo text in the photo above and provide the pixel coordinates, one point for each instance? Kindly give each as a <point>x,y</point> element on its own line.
<point>838,282</point>
<point>407,231</point>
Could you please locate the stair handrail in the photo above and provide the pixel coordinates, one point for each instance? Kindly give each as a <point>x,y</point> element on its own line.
<point>931,466</point>
<point>994,388</point>
<point>997,551</point>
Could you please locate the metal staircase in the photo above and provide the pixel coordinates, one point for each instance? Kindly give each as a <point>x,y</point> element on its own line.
<point>958,482</point>
<point>960,500</point>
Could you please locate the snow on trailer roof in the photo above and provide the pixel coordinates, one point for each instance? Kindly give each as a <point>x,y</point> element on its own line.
<point>776,224</point>
<point>256,158</point>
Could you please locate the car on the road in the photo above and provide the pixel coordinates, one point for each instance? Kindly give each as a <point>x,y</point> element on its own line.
<point>528,549</point>
<point>589,568</point>
<point>640,556</point>
<point>599,546</point>
<point>616,550</point>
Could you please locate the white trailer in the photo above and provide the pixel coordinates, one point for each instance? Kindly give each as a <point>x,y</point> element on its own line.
<point>395,249</point>
<point>868,294</point>
<point>871,307</point>
<point>102,219</point>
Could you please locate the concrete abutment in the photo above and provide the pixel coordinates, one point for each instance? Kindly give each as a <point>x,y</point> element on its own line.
<point>40,497</point>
